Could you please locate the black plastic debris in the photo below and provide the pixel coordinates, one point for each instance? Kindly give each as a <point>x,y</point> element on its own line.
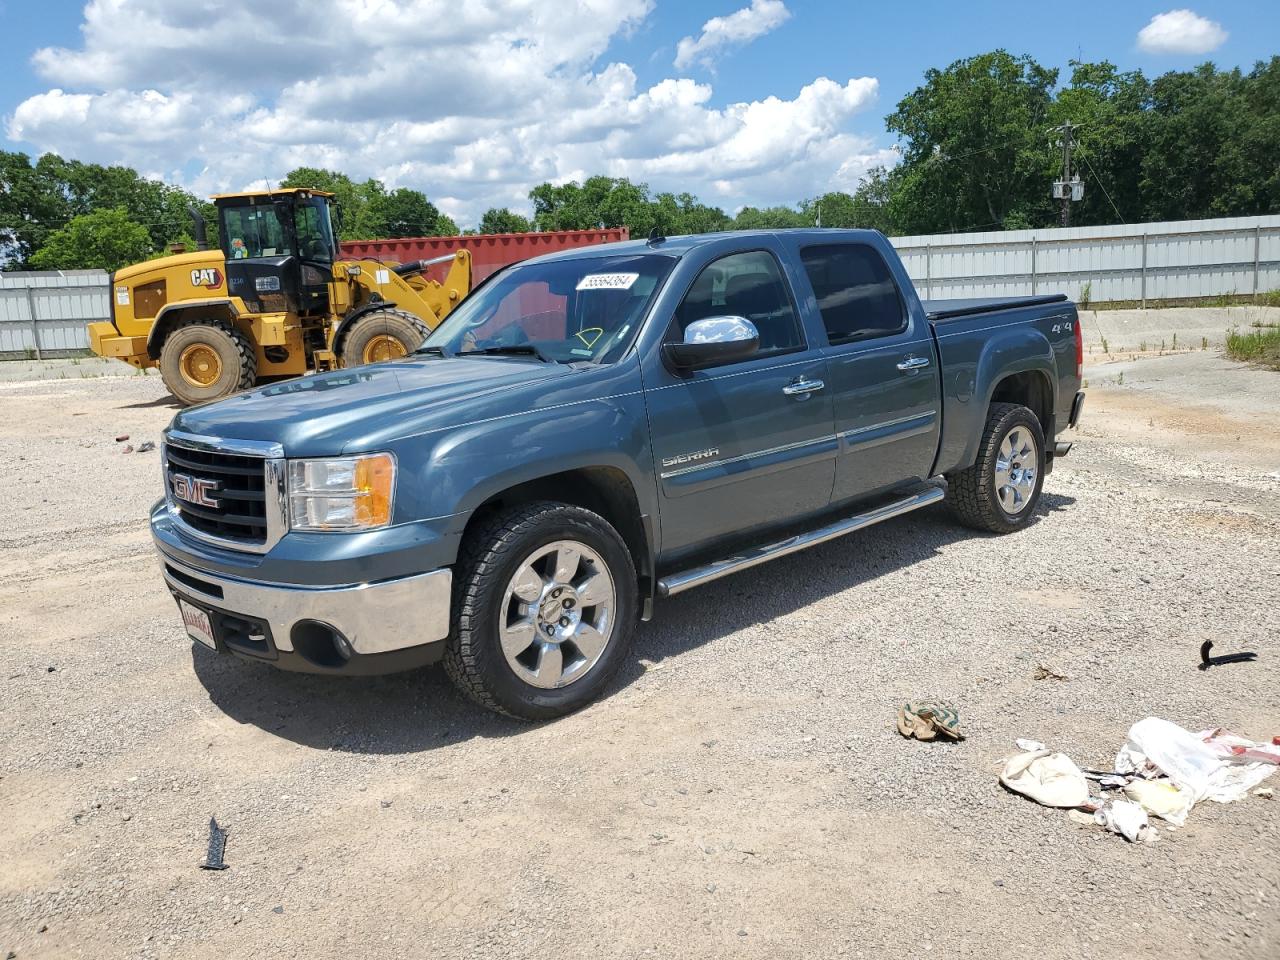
<point>146,446</point>
<point>1206,661</point>
<point>217,847</point>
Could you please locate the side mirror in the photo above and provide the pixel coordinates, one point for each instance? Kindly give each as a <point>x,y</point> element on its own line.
<point>713,340</point>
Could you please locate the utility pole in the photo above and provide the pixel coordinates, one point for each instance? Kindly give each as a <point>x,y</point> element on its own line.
<point>1069,188</point>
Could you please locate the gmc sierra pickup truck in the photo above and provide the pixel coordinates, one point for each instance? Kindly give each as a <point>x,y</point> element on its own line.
<point>593,430</point>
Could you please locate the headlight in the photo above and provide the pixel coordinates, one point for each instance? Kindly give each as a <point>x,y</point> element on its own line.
<point>341,493</point>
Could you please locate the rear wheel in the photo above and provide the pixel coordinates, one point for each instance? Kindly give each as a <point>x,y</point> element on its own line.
<point>1000,491</point>
<point>382,335</point>
<point>545,603</point>
<point>205,360</point>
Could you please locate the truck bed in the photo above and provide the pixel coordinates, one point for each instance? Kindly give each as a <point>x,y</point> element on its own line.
<point>940,310</point>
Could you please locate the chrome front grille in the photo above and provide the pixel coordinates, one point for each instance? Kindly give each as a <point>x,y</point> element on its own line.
<point>232,487</point>
<point>226,492</point>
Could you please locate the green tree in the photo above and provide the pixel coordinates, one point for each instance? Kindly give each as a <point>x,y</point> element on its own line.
<point>501,220</point>
<point>1212,142</point>
<point>1108,110</point>
<point>974,140</point>
<point>31,207</point>
<point>403,213</point>
<point>446,226</point>
<point>38,198</point>
<point>597,202</point>
<point>160,207</point>
<point>872,201</point>
<point>834,209</point>
<point>771,218</point>
<point>106,239</point>
<point>681,214</point>
<point>355,203</point>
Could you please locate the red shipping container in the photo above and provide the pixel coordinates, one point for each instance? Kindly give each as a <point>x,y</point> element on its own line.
<point>489,252</point>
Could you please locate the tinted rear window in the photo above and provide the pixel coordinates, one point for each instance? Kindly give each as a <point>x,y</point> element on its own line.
<point>855,290</point>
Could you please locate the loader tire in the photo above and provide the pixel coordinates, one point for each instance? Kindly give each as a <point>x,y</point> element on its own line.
<point>384,334</point>
<point>204,360</point>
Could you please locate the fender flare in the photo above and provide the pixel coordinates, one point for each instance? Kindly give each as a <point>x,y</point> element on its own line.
<point>162,323</point>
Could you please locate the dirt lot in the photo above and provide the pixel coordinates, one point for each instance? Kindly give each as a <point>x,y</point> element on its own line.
<point>741,791</point>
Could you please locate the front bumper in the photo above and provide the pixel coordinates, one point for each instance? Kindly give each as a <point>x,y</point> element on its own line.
<point>356,629</point>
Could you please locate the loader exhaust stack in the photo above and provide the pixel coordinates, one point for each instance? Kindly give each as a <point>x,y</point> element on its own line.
<point>197,227</point>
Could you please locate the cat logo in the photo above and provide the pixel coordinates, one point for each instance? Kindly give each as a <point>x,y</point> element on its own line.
<point>206,277</point>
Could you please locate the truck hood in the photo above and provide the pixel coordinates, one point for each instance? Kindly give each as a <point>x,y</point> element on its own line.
<point>330,413</point>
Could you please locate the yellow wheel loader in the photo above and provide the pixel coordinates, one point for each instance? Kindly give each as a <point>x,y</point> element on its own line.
<point>275,301</point>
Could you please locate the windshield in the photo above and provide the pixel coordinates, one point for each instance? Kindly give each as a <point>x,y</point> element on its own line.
<point>255,231</point>
<point>263,230</point>
<point>565,310</point>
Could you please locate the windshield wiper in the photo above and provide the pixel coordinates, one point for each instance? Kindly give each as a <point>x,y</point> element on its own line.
<point>510,350</point>
<point>433,349</point>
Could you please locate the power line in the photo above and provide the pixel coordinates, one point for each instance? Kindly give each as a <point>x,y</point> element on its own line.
<point>1102,187</point>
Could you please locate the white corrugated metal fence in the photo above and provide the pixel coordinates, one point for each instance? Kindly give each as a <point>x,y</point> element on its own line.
<point>1142,263</point>
<point>44,314</point>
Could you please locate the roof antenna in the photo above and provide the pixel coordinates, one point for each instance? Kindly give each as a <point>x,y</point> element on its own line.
<point>656,237</point>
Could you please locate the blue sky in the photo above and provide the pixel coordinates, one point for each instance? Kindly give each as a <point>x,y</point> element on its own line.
<point>783,99</point>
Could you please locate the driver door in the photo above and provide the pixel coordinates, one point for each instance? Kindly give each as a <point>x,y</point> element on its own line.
<point>751,442</point>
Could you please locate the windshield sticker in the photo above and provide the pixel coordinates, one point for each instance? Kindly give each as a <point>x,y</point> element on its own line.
<point>608,281</point>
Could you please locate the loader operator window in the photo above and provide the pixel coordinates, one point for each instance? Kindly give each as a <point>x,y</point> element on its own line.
<point>315,233</point>
<point>255,231</point>
<point>569,311</point>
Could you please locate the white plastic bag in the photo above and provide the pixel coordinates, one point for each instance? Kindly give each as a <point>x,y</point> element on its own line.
<point>1046,777</point>
<point>1177,752</point>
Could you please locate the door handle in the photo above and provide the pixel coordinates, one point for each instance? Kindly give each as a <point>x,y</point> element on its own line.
<point>797,388</point>
<point>914,363</point>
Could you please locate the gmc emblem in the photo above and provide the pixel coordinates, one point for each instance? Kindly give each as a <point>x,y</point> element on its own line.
<point>194,489</point>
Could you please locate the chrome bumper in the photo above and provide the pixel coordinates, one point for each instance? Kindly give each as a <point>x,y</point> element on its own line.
<point>373,617</point>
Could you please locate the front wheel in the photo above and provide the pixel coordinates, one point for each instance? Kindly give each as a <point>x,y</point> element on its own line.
<point>1000,491</point>
<point>385,334</point>
<point>545,603</point>
<point>207,360</point>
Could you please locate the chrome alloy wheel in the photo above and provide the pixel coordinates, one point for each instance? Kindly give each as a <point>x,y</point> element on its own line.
<point>557,614</point>
<point>1016,468</point>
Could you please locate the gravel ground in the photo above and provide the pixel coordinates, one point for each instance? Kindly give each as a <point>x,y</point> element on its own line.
<point>741,791</point>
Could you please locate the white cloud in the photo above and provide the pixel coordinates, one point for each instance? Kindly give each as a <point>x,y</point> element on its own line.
<point>739,27</point>
<point>1181,31</point>
<point>513,95</point>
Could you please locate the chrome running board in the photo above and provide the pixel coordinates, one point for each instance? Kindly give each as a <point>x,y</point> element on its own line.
<point>679,582</point>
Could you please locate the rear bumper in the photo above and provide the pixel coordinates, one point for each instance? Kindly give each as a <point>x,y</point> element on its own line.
<point>106,342</point>
<point>355,629</point>
<point>1076,406</point>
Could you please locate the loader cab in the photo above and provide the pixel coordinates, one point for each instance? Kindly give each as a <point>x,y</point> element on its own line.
<point>279,248</point>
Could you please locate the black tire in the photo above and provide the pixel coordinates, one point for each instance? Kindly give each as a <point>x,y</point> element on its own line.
<point>381,327</point>
<point>974,494</point>
<point>236,366</point>
<point>489,558</point>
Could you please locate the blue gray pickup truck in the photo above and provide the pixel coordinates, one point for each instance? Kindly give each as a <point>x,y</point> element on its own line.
<point>592,431</point>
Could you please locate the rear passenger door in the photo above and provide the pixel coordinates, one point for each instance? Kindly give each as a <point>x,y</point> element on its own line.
<point>882,368</point>
<point>749,442</point>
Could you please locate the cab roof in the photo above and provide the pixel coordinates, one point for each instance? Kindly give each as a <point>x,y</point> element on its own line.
<point>282,193</point>
<point>681,245</point>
